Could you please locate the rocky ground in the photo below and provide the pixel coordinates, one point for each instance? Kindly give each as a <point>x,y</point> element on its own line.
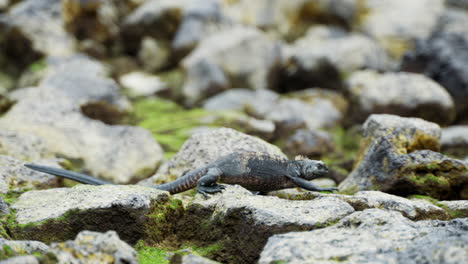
<point>139,92</point>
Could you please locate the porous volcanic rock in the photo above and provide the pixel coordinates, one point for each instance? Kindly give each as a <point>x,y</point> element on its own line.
<point>235,57</point>
<point>78,93</point>
<point>398,155</point>
<point>59,214</point>
<point>373,236</point>
<point>242,222</point>
<point>402,94</point>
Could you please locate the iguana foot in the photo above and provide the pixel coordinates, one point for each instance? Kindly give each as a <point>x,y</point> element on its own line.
<point>205,190</point>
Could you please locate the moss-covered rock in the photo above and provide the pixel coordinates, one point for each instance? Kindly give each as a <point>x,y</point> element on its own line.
<point>398,155</point>
<point>135,212</point>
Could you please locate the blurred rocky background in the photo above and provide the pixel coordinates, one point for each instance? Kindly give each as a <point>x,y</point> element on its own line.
<point>142,91</point>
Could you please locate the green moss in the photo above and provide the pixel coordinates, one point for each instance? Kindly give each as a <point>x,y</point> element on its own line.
<point>162,220</point>
<point>206,251</point>
<point>37,65</point>
<point>169,123</point>
<point>6,252</point>
<point>150,255</point>
<point>428,179</point>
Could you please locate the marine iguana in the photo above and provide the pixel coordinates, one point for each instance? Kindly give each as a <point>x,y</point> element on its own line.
<point>255,171</point>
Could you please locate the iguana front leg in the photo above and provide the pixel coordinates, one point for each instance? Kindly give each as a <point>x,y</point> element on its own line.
<point>310,186</point>
<point>207,183</point>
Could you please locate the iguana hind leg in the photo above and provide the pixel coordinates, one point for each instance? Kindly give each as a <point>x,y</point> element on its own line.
<point>207,183</point>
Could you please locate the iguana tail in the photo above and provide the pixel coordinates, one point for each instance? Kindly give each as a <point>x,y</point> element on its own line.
<point>75,176</point>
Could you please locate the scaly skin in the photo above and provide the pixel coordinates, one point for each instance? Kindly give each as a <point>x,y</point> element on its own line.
<point>255,171</point>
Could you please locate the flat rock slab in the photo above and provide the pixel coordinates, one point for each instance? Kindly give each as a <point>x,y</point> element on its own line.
<point>59,214</point>
<point>373,236</point>
<point>242,222</point>
<point>417,209</point>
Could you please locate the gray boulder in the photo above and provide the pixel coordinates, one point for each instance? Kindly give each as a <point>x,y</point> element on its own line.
<point>457,3</point>
<point>205,147</point>
<point>88,247</point>
<point>290,19</point>
<point>242,222</point>
<point>14,175</point>
<point>373,236</point>
<point>328,51</point>
<point>24,39</point>
<point>60,214</point>
<point>93,246</point>
<point>441,57</point>
<point>455,140</point>
<point>397,24</point>
<point>239,98</point>
<point>237,57</point>
<point>309,143</point>
<point>61,112</point>
<point>402,94</point>
<point>398,156</point>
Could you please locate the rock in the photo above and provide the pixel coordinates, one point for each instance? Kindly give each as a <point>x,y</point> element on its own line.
<point>414,209</point>
<point>310,95</point>
<point>237,57</point>
<point>118,153</point>
<point>4,208</point>
<point>21,260</point>
<point>373,236</point>
<point>455,140</point>
<point>94,247</point>
<point>238,99</point>
<point>153,18</point>
<point>456,209</point>
<point>142,84</point>
<point>154,55</point>
<point>398,156</point>
<point>18,247</point>
<point>290,19</point>
<point>403,94</point>
<point>14,175</point>
<point>23,146</point>
<point>242,222</point>
<point>291,114</point>
<point>453,21</point>
<point>88,247</point>
<point>441,58</point>
<point>325,54</point>
<point>59,214</point>
<point>206,147</point>
<point>457,3</point>
<point>96,24</point>
<point>397,33</point>
<point>190,259</point>
<point>24,39</point>
<point>309,143</point>
<point>200,19</point>
<point>264,129</point>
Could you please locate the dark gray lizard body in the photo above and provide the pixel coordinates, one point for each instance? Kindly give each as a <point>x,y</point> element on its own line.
<point>255,171</point>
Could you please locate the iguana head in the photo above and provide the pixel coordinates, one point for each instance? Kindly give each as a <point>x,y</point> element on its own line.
<point>312,169</point>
